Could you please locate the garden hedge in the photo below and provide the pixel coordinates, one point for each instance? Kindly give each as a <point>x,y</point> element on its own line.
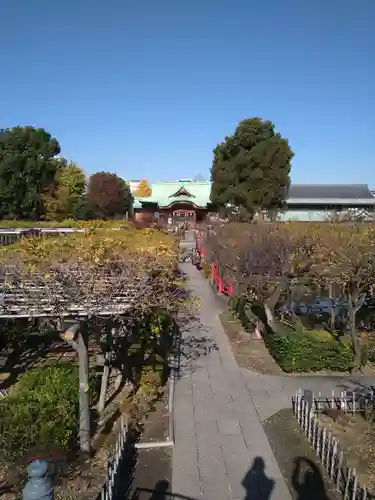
<point>310,352</point>
<point>41,410</point>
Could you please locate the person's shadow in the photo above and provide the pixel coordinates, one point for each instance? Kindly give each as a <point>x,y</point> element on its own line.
<point>161,490</point>
<point>311,485</point>
<point>257,485</point>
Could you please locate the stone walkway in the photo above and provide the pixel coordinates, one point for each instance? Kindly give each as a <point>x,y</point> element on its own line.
<point>220,445</point>
<point>271,394</point>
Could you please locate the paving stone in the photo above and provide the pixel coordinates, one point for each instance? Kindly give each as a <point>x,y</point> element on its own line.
<point>223,403</point>
<point>185,471</point>
<point>237,462</point>
<point>216,448</point>
<point>229,426</point>
<point>213,473</point>
<point>219,408</point>
<point>207,433</point>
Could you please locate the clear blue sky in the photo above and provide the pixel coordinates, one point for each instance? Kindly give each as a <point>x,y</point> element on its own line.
<point>147,88</point>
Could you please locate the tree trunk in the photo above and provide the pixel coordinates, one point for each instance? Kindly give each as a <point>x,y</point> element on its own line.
<point>84,400</point>
<point>110,333</point>
<point>76,336</point>
<point>270,304</point>
<point>104,384</point>
<point>270,316</point>
<point>352,311</point>
<point>332,318</point>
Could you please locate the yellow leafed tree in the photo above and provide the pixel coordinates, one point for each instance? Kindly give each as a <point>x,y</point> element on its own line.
<point>61,198</point>
<point>143,190</point>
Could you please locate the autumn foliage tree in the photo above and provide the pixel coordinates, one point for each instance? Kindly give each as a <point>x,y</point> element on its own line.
<point>108,196</point>
<point>143,190</point>
<point>275,265</point>
<point>349,251</point>
<point>250,169</point>
<point>120,287</point>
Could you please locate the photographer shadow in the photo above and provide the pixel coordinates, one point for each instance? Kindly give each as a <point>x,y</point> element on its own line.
<point>311,485</point>
<point>257,485</point>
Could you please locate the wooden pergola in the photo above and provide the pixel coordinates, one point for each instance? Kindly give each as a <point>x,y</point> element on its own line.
<point>40,299</point>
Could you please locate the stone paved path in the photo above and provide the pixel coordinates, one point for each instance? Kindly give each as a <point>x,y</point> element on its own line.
<point>271,394</point>
<point>218,431</point>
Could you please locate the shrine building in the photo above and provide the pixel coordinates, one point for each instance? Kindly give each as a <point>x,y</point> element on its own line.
<point>182,199</point>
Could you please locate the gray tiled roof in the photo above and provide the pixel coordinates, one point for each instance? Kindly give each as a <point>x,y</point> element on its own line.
<point>346,191</point>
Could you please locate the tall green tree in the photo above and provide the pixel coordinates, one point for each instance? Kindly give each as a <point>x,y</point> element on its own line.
<point>72,177</point>
<point>65,198</point>
<point>251,168</point>
<point>27,169</point>
<point>108,195</point>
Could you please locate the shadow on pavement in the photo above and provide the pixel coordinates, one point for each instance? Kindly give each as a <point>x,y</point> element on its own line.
<point>311,485</point>
<point>307,481</point>
<point>257,485</point>
<point>160,492</point>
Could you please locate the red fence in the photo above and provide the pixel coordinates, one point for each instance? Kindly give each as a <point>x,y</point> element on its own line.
<point>222,287</point>
<point>218,280</point>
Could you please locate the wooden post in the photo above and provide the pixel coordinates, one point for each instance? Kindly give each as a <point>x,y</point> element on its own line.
<point>332,316</point>
<point>76,336</point>
<point>84,400</point>
<point>106,369</point>
<point>308,396</point>
<point>104,384</point>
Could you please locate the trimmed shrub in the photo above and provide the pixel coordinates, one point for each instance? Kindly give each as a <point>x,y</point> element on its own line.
<point>308,352</point>
<point>42,410</point>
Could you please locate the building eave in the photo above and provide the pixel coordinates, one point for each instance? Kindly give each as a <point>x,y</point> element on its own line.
<point>185,202</point>
<point>363,202</point>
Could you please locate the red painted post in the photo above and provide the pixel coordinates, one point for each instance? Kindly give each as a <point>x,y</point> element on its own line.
<point>220,284</point>
<point>230,288</point>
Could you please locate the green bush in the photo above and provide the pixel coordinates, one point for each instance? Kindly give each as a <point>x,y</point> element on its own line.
<point>206,268</point>
<point>42,410</point>
<point>371,352</point>
<point>308,352</point>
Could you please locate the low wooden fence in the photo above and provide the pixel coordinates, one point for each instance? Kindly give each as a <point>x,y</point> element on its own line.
<point>325,445</point>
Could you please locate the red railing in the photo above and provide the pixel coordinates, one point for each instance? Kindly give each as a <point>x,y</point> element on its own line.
<point>218,280</point>
<point>226,289</point>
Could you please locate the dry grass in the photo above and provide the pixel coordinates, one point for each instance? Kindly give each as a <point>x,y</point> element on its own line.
<point>250,352</point>
<point>357,440</point>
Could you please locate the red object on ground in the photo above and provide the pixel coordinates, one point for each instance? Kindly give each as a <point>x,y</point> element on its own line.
<point>216,278</point>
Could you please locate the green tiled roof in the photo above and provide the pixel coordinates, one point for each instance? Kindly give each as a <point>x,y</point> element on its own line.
<point>163,193</point>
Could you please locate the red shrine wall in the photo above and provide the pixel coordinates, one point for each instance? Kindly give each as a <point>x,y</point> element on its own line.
<point>180,211</point>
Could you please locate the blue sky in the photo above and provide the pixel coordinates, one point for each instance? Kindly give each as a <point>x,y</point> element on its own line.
<point>147,88</point>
